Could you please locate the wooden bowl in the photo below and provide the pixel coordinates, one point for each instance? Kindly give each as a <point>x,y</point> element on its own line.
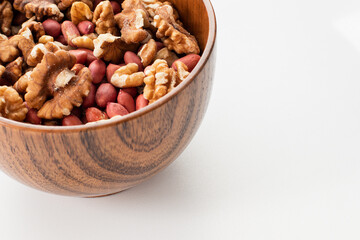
<point>111,156</point>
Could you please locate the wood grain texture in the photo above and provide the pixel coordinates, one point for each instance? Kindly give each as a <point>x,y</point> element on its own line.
<point>109,157</point>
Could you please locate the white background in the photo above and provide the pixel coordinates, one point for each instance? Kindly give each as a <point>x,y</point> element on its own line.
<point>277,156</point>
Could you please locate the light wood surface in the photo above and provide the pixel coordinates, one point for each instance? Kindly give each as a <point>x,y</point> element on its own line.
<point>109,157</point>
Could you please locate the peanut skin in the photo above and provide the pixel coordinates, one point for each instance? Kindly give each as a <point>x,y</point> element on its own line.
<point>132,91</point>
<point>115,109</point>
<point>126,100</point>
<point>105,93</point>
<point>111,69</point>
<point>94,114</point>
<point>141,102</point>
<point>86,27</point>
<point>70,31</point>
<point>89,101</point>
<point>71,121</point>
<point>131,57</point>
<point>116,7</point>
<point>81,56</point>
<point>32,117</point>
<point>52,28</point>
<point>98,69</point>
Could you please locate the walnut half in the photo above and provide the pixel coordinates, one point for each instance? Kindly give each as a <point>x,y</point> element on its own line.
<point>52,78</point>
<point>11,104</point>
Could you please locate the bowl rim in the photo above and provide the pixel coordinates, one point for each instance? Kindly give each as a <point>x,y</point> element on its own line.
<point>209,47</point>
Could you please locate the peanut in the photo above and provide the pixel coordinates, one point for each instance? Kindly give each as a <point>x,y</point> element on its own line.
<point>132,91</point>
<point>190,61</point>
<point>111,68</point>
<point>116,7</point>
<point>70,31</point>
<point>94,114</point>
<point>32,117</point>
<point>77,111</point>
<point>115,109</point>
<point>126,100</point>
<point>86,27</point>
<point>159,45</point>
<point>61,39</point>
<point>52,28</point>
<point>89,101</point>
<point>81,56</point>
<point>71,121</point>
<point>141,102</point>
<point>105,93</point>
<point>131,57</point>
<point>98,70</point>
<point>90,56</point>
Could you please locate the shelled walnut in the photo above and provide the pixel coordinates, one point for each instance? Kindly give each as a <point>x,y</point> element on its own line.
<point>128,76</point>
<point>11,104</point>
<point>6,17</point>
<point>111,48</point>
<point>104,19</point>
<point>53,79</point>
<point>174,36</point>
<point>39,8</point>
<point>80,12</point>
<point>148,52</point>
<point>132,21</point>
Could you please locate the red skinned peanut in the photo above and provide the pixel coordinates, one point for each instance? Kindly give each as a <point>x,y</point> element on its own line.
<point>90,56</point>
<point>190,61</point>
<point>105,93</point>
<point>98,69</point>
<point>132,91</point>
<point>77,111</point>
<point>32,117</point>
<point>61,39</point>
<point>110,70</point>
<point>70,31</point>
<point>141,102</point>
<point>89,101</point>
<point>52,28</point>
<point>86,27</point>
<point>94,114</point>
<point>159,46</point>
<point>116,7</point>
<point>126,100</point>
<point>115,109</point>
<point>81,56</point>
<point>71,121</point>
<point>131,57</point>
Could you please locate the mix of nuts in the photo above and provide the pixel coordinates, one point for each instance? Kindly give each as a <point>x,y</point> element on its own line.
<point>71,62</point>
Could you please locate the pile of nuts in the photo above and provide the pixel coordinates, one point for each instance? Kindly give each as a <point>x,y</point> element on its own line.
<point>72,62</point>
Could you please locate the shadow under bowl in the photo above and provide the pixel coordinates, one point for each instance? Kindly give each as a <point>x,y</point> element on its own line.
<point>108,157</point>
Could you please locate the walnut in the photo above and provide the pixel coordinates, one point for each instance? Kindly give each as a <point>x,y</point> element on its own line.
<point>39,51</point>
<point>160,79</point>
<point>64,4</point>
<point>92,36</point>
<point>6,16</point>
<point>45,39</point>
<point>169,56</point>
<point>104,19</point>
<point>132,21</point>
<point>128,76</point>
<point>148,52</point>
<point>22,83</point>
<point>36,30</point>
<point>111,48</point>
<point>83,42</point>
<point>13,71</point>
<point>53,78</point>
<point>15,30</point>
<point>174,36</point>
<point>8,49</point>
<point>11,104</point>
<point>80,12</point>
<point>39,8</point>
